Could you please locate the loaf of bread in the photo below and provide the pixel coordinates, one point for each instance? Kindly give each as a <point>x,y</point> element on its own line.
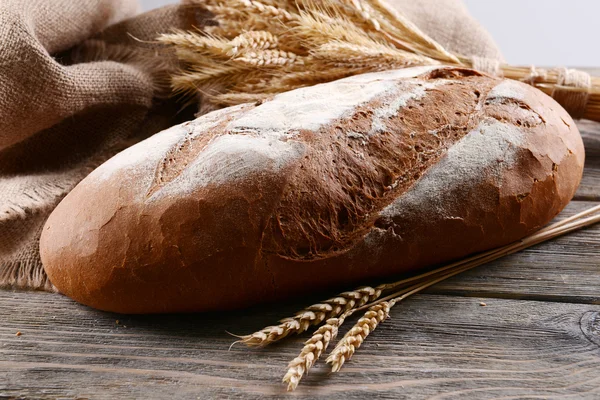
<point>327,186</point>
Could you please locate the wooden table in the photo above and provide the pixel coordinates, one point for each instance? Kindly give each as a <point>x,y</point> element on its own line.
<point>538,336</point>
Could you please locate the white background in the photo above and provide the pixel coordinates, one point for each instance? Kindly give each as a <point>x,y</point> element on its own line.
<point>541,32</point>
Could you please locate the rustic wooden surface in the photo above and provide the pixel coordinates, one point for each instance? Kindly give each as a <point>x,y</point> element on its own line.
<point>538,336</point>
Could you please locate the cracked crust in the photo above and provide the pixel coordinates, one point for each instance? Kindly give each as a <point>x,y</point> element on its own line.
<point>260,202</point>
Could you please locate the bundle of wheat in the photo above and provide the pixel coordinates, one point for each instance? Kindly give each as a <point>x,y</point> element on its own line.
<point>333,312</point>
<point>259,48</point>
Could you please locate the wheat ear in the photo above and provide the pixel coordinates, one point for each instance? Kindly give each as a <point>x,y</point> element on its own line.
<point>266,10</point>
<point>312,315</point>
<point>312,350</point>
<point>268,58</point>
<point>352,340</point>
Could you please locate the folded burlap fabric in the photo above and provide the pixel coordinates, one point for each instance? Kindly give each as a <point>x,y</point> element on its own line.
<point>63,112</point>
<point>449,23</point>
<point>74,91</point>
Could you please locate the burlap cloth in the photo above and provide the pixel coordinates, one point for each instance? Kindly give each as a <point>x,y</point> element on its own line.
<point>78,83</point>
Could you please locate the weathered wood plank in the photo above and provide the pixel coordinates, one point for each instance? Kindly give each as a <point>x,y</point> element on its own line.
<point>590,132</point>
<point>439,346</point>
<point>565,269</point>
<point>590,184</point>
<point>589,189</point>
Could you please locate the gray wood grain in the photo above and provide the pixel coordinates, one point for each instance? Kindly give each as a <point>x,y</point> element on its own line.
<point>441,347</point>
<point>590,184</point>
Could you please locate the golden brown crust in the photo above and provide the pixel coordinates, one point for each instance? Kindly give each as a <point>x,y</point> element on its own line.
<point>232,210</point>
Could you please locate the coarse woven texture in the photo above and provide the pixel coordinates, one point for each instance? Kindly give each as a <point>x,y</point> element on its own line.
<point>61,117</point>
<point>449,23</point>
<point>73,92</point>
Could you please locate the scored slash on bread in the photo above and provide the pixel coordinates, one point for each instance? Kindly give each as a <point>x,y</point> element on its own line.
<point>365,177</point>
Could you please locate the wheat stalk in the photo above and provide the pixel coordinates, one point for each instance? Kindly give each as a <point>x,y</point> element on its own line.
<point>260,40</point>
<point>346,347</point>
<point>374,54</point>
<point>313,315</point>
<point>364,13</point>
<point>264,10</point>
<point>268,58</point>
<point>312,350</point>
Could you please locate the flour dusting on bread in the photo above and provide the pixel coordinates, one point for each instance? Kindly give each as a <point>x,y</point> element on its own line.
<point>233,158</point>
<point>140,159</point>
<point>508,89</point>
<point>481,155</point>
<point>261,139</point>
<point>404,92</point>
<point>313,107</point>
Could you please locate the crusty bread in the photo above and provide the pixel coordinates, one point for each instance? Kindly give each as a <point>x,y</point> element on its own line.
<point>362,178</point>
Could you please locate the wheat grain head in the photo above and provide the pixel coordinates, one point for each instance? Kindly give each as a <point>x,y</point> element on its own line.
<point>313,315</point>
<point>312,351</point>
<point>346,347</point>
